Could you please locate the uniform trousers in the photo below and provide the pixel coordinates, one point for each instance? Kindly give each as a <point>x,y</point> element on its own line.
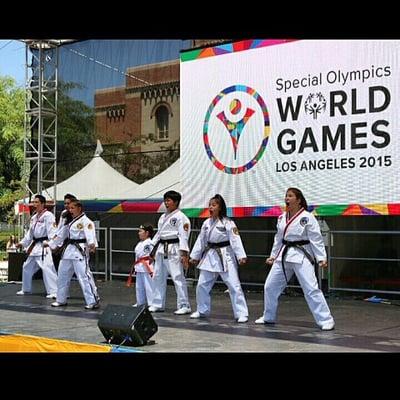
<point>144,288</point>
<point>82,271</point>
<point>32,265</point>
<point>172,266</point>
<point>276,283</point>
<point>231,279</point>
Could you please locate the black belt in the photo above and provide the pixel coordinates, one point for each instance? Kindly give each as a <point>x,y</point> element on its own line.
<point>37,240</point>
<point>216,246</point>
<point>298,245</point>
<point>165,242</point>
<point>41,239</point>
<point>168,241</point>
<point>212,245</point>
<point>75,243</point>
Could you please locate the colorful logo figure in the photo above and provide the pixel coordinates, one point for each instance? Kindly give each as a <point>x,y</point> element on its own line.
<point>236,129</point>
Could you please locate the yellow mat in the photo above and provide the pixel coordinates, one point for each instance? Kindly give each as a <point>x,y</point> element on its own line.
<point>28,344</point>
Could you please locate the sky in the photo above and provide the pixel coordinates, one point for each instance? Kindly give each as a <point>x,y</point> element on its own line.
<point>116,54</point>
<point>12,60</point>
<point>112,59</point>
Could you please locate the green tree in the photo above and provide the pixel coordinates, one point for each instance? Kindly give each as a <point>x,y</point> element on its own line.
<point>11,144</point>
<point>140,166</point>
<point>75,137</point>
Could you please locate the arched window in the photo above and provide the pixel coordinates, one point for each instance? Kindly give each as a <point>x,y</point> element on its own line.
<point>162,122</point>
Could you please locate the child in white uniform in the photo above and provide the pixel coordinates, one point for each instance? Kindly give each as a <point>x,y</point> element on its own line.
<point>143,267</point>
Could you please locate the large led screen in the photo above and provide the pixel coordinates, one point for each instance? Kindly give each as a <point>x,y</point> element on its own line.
<point>260,116</point>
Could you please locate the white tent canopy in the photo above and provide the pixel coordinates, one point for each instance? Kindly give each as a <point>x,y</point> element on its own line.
<point>97,180</point>
<point>170,179</point>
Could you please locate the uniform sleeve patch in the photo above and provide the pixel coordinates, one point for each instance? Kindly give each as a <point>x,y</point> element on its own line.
<point>90,226</point>
<point>235,230</point>
<point>186,227</point>
<point>304,221</point>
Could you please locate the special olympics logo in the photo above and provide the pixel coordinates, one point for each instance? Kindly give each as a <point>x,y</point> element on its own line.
<point>236,129</point>
<point>315,104</point>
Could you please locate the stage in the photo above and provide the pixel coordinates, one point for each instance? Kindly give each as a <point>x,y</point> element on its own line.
<point>360,326</point>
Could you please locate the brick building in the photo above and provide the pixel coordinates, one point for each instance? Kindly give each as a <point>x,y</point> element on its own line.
<point>142,117</point>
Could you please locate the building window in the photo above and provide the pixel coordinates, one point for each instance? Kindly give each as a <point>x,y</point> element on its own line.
<point>116,113</point>
<point>162,122</point>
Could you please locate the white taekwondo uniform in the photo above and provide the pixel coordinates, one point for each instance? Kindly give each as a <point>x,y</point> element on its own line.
<point>303,226</point>
<point>61,223</point>
<point>144,272</point>
<point>171,226</point>
<point>63,220</point>
<point>41,226</point>
<point>75,260</point>
<point>219,261</point>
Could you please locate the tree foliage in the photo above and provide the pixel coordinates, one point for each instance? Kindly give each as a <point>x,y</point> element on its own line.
<point>11,143</point>
<point>75,138</point>
<point>140,166</point>
<point>75,144</point>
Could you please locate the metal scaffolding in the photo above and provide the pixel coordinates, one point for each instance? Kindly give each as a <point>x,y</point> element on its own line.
<point>40,141</point>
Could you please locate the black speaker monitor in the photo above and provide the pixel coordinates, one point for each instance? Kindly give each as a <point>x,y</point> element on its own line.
<point>15,264</point>
<point>127,325</point>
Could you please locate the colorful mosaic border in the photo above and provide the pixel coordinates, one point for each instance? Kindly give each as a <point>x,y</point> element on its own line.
<point>156,206</point>
<point>229,48</point>
<point>324,210</point>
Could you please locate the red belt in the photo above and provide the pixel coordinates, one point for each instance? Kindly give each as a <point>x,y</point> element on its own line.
<point>142,260</point>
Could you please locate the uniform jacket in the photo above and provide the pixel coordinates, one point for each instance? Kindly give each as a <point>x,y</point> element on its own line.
<point>303,227</point>
<point>80,227</point>
<point>171,226</point>
<point>62,221</point>
<point>216,231</point>
<point>142,249</point>
<point>43,224</point>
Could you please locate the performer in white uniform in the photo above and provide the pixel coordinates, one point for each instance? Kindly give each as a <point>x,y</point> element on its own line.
<point>217,247</point>
<point>171,253</point>
<point>297,244</point>
<point>81,236</point>
<point>65,219</point>
<point>143,268</point>
<point>42,227</point>
<point>65,216</point>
